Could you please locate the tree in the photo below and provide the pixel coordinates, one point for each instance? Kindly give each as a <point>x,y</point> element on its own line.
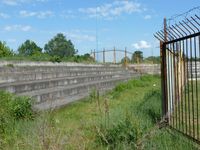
<point>29,48</point>
<point>153,59</point>
<point>137,57</point>
<point>60,46</point>
<point>127,59</point>
<point>5,50</point>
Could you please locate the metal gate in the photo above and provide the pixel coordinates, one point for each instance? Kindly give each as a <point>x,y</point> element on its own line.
<point>180,72</point>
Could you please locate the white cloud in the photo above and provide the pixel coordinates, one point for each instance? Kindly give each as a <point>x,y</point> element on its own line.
<point>147,17</point>
<point>112,10</point>
<point>80,36</point>
<point>3,15</point>
<point>9,2</point>
<point>141,45</point>
<point>68,14</point>
<point>17,2</point>
<point>39,14</point>
<point>18,28</point>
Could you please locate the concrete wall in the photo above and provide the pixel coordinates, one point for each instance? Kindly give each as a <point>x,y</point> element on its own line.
<point>146,68</point>
<point>38,63</point>
<point>141,68</point>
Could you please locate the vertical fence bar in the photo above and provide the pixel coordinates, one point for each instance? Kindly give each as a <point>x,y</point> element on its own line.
<point>180,77</point>
<point>182,84</point>
<point>125,57</point>
<point>196,83</point>
<point>178,84</point>
<point>188,89</point>
<point>172,86</point>
<point>185,87</point>
<point>104,56</point>
<point>164,80</point>
<point>168,85</point>
<point>114,56</point>
<point>94,56</point>
<point>175,93</point>
<point>192,88</point>
<point>198,123</point>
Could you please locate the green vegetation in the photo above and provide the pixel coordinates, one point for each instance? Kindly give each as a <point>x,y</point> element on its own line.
<point>29,48</point>
<point>58,49</point>
<point>125,118</point>
<point>12,110</point>
<point>5,50</point>
<point>185,116</point>
<point>152,59</point>
<point>60,46</point>
<point>137,57</point>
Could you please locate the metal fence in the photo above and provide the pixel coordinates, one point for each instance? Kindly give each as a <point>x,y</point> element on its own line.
<point>114,55</point>
<point>180,71</point>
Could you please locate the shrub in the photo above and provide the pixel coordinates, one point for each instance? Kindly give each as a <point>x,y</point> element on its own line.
<point>55,59</point>
<point>13,108</point>
<point>20,108</point>
<point>10,65</point>
<point>151,105</point>
<point>125,132</point>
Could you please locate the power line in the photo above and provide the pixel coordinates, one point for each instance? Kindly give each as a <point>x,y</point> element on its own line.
<point>97,44</point>
<point>185,14</point>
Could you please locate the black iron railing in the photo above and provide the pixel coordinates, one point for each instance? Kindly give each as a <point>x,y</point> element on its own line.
<point>180,71</point>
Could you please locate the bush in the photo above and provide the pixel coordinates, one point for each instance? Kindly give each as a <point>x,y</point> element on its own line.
<point>151,105</point>
<point>5,50</point>
<point>124,132</point>
<point>55,59</point>
<point>13,108</point>
<point>20,108</point>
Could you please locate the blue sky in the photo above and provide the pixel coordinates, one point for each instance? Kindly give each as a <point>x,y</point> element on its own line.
<point>119,23</point>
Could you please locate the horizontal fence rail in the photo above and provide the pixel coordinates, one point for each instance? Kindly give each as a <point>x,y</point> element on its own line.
<point>180,71</point>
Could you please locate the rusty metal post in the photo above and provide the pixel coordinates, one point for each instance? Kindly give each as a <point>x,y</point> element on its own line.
<point>114,56</point>
<point>104,56</point>
<point>94,56</point>
<point>164,73</point>
<point>126,58</point>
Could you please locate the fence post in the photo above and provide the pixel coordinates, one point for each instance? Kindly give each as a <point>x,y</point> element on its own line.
<point>114,55</point>
<point>94,56</point>
<point>163,79</point>
<point>164,73</point>
<point>104,55</point>
<point>125,57</point>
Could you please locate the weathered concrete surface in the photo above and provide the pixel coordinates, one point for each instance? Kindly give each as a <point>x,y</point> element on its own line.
<point>29,63</point>
<point>54,85</point>
<point>145,68</point>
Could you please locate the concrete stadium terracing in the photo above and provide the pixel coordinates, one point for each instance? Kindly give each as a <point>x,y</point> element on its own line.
<point>54,85</point>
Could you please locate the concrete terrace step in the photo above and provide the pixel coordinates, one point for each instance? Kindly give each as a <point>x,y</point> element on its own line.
<point>54,68</point>
<point>61,102</point>
<point>60,92</point>
<point>54,85</point>
<point>25,86</point>
<point>14,77</point>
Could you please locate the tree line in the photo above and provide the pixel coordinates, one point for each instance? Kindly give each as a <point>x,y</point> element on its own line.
<point>60,49</point>
<point>138,58</point>
<point>57,49</point>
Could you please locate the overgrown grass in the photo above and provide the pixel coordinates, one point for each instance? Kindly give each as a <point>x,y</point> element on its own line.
<point>47,58</point>
<point>125,118</point>
<point>12,110</point>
